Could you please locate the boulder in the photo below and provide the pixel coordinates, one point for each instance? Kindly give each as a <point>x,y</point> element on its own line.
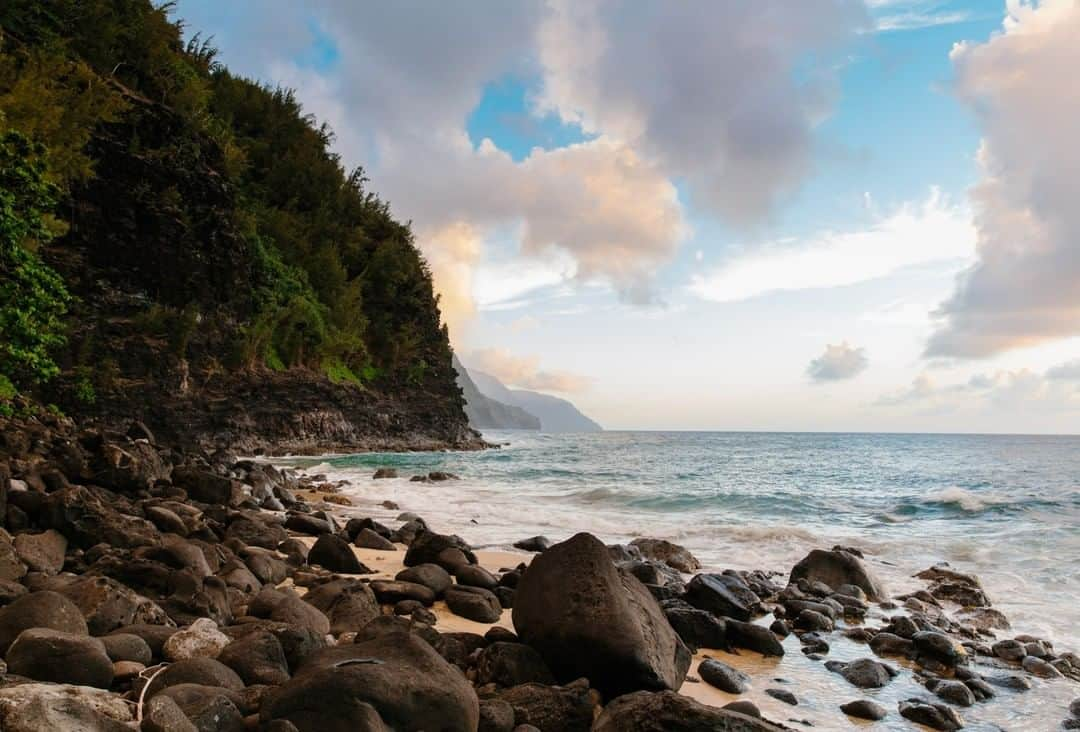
<point>385,473</point>
<point>127,647</point>
<point>368,539</point>
<point>722,594</point>
<point>200,670</point>
<point>933,715</point>
<point>753,637</point>
<point>163,715</point>
<point>430,575</point>
<point>393,591</point>
<point>697,628</point>
<point>473,575</point>
<point>934,646</point>
<point>510,664</point>
<point>666,711</point>
<point>303,523</point>
<point>201,638</point>
<point>209,708</point>
<point>257,658</point>
<point>207,487</point>
<point>263,534</point>
<point>11,566</point>
<point>43,654</point>
<point>570,708</point>
<point>429,547</point>
<point>533,544</point>
<point>335,554</point>
<point>952,691</point>
<point>496,715</point>
<point>291,610</point>
<point>865,673</point>
<point>396,682</point>
<point>864,709</point>
<point>107,605</point>
<point>62,708</point>
<point>153,635</point>
<point>43,609</point>
<point>586,617</point>
<point>87,517</point>
<point>838,567</point>
<point>166,520</point>
<point>473,603</point>
<point>42,552</point>
<point>671,554</point>
<point>723,677</point>
<point>348,604</point>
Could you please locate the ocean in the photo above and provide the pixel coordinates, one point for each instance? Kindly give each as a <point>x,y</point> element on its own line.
<point>1004,507</point>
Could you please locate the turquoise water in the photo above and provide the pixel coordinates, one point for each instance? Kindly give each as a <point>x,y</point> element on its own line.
<point>1004,507</point>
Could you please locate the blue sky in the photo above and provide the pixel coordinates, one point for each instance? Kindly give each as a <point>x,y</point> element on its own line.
<point>703,218</point>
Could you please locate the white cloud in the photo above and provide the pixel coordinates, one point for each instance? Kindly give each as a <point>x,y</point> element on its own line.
<point>1024,289</point>
<point>839,362</point>
<point>1006,392</point>
<point>524,371</point>
<point>904,15</point>
<point>936,231</point>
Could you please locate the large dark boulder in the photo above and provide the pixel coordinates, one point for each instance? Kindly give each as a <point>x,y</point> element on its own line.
<point>697,628</point>
<point>107,605</point>
<point>430,575</point>
<point>588,618</point>
<point>42,609</point>
<point>334,553</point>
<point>86,519</point>
<point>753,637</point>
<point>258,658</point>
<point>199,670</point>
<point>257,533</point>
<point>474,603</point>
<point>722,594</point>
<point>429,547</point>
<point>510,664</point>
<point>671,554</point>
<point>209,708</point>
<point>570,708</point>
<point>838,567</point>
<point>43,654</point>
<point>393,682</point>
<point>207,487</point>
<point>349,604</point>
<point>667,711</point>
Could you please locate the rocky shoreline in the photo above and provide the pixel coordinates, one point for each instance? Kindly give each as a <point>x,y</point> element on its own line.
<point>145,586</point>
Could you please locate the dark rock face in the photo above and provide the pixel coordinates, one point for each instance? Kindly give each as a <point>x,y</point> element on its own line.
<point>200,670</point>
<point>938,647</point>
<point>42,609</point>
<point>209,708</point>
<point>697,628</point>
<point>258,658</point>
<point>836,568</point>
<point>933,715</point>
<point>334,553</point>
<point>722,594</point>
<point>667,711</point>
<point>368,539</point>
<point>474,603</point>
<point>754,637</point>
<point>865,673</point>
<point>42,552</point>
<point>533,544</point>
<point>430,575</point>
<point>350,605</point>
<point>431,548</point>
<point>395,682</point>
<point>585,617</point>
<point>510,664</point>
<point>571,708</point>
<point>63,658</point>
<point>388,591</point>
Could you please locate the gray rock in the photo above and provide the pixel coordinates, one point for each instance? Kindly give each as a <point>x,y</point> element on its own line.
<point>645,711</point>
<point>954,692</point>
<point>722,594</point>
<point>865,673</point>
<point>163,715</point>
<point>533,544</point>
<point>257,658</point>
<point>753,637</point>
<point>671,554</point>
<point>933,715</point>
<point>368,539</point>
<point>864,709</point>
<point>836,568</point>
<point>62,708</point>
<point>723,677</point>
<point>474,603</point>
<point>127,647</point>
<point>42,609</point>
<point>209,708</point>
<point>783,695</point>
<point>429,575</point>
<point>43,654</point>
<point>939,647</point>
<point>42,552</point>
<point>1041,668</point>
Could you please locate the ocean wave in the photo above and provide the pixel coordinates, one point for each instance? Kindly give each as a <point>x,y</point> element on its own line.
<point>965,499</point>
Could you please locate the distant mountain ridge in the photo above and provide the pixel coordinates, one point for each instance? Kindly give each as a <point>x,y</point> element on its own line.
<point>555,414</point>
<point>487,413</point>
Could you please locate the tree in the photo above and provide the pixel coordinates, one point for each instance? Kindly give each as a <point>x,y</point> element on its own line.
<point>33,298</point>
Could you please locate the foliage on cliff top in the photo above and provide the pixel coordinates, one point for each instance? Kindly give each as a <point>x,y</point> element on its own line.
<point>214,196</point>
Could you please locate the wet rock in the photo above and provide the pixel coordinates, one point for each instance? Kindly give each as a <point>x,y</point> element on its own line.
<point>745,707</point>
<point>889,644</point>
<point>42,552</point>
<point>837,568</point>
<point>384,473</point>
<point>474,603</point>
<point>42,609</point>
<point>533,544</point>
<point>587,617</point>
<point>697,628</point>
<point>571,708</point>
<point>722,594</point>
<point>201,638</point>
<point>63,708</point>
<point>981,690</point>
<point>783,695</point>
<point>429,575</point>
<point>939,647</point>
<point>201,670</point>
<point>43,654</point>
<point>813,621</point>
<point>671,554</point>
<point>335,554</point>
<point>163,715</point>
<point>510,664</point>
<point>396,682</point>
<point>813,644</point>
<point>392,591</point>
<point>864,709</point>
<point>368,539</point>
<point>127,647</point>
<point>954,692</point>
<point>1013,683</point>
<point>645,711</point>
<point>933,715</point>
<point>1040,667</point>
<point>984,618</point>
<point>1010,650</point>
<point>865,673</point>
<point>723,677</point>
<point>753,637</point>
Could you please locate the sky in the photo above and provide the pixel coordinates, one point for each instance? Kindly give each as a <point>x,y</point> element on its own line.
<point>826,215</point>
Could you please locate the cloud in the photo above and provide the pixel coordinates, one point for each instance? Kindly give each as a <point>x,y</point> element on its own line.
<point>452,252</point>
<point>1007,391</point>
<point>1024,289</point>
<point>524,372</point>
<point>935,231</point>
<point>719,94</point>
<point>839,362</point>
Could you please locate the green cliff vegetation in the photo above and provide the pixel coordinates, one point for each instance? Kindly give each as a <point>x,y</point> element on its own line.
<point>215,203</point>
